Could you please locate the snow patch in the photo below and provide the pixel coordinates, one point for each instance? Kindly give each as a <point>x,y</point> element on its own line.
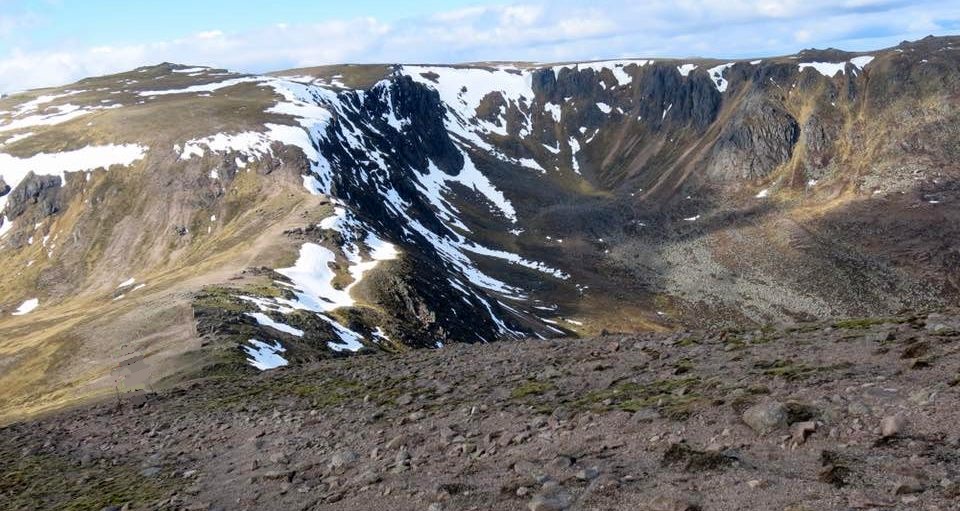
<point>191,70</point>
<point>265,356</point>
<point>58,164</point>
<point>830,69</point>
<point>267,321</point>
<point>16,138</point>
<point>27,307</point>
<point>716,74</point>
<point>574,149</point>
<point>685,69</point>
<point>61,114</point>
<point>553,110</point>
<point>206,87</point>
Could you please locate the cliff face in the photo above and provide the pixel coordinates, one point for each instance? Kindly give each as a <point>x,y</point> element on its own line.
<point>176,220</point>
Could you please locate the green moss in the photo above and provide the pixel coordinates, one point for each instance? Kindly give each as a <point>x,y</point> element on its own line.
<point>687,342</point>
<point>735,344</point>
<point>215,297</point>
<point>672,397</point>
<point>786,369</point>
<point>792,371</point>
<point>263,290</point>
<point>530,388</point>
<point>49,482</point>
<point>862,323</point>
<point>805,328</point>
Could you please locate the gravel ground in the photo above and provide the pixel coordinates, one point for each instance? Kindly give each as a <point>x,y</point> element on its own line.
<point>857,414</point>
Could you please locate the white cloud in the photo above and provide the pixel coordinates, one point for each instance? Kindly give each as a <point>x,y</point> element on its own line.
<point>211,34</point>
<point>521,14</point>
<point>535,30</point>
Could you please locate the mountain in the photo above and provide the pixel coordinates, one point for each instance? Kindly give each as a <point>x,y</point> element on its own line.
<point>178,222</point>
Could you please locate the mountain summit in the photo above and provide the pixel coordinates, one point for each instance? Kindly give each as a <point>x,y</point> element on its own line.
<point>176,222</point>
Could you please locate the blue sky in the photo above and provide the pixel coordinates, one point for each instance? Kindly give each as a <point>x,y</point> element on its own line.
<point>49,42</point>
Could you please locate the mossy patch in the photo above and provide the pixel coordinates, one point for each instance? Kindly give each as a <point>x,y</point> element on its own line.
<point>672,397</point>
<point>787,369</point>
<point>531,388</point>
<point>862,323</point>
<point>216,297</point>
<point>790,370</point>
<point>50,482</point>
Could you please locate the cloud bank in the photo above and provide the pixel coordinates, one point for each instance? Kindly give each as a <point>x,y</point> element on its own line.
<point>546,31</point>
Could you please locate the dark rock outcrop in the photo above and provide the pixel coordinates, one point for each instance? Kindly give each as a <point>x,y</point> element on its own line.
<point>760,137</point>
<point>40,191</point>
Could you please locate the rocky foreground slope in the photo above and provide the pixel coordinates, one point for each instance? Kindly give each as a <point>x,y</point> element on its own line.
<point>858,414</point>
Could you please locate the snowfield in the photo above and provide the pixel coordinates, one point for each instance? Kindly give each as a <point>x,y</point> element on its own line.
<point>58,164</point>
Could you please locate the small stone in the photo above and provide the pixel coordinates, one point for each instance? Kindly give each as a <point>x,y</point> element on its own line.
<point>395,442</point>
<point>523,491</point>
<point>553,500</point>
<point>286,475</point>
<point>801,430</point>
<point>908,486</point>
<point>757,483</point>
<point>342,459</point>
<point>150,471</point>
<point>921,397</point>
<point>668,504</point>
<point>524,468</point>
<point>892,426</point>
<point>858,408</point>
<point>405,399</point>
<point>645,415</point>
<point>368,477</point>
<point>402,457</point>
<point>538,422</point>
<point>765,417</point>
<point>588,474</point>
